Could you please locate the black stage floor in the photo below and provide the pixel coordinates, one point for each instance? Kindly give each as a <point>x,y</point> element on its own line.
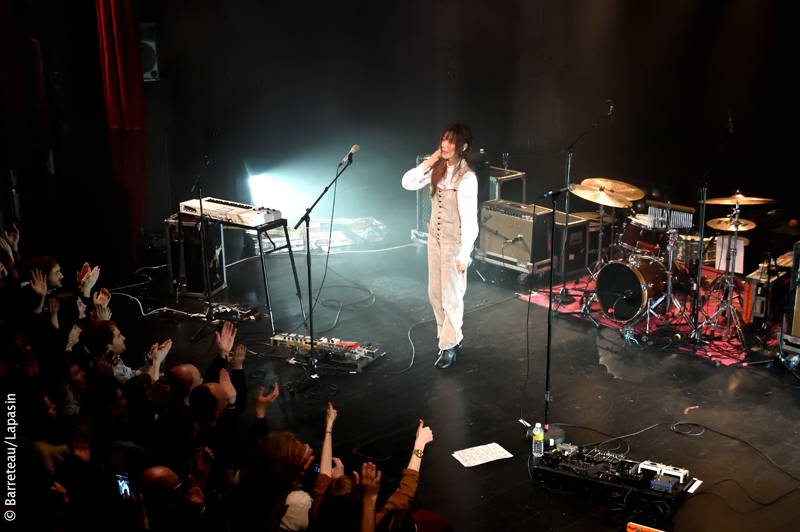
<point>597,381</point>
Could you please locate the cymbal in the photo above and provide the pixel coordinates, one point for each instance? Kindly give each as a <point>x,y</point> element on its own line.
<point>630,192</point>
<point>728,224</point>
<point>595,195</point>
<point>742,200</point>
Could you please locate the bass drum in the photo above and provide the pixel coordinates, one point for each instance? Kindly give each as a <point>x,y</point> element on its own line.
<point>623,288</point>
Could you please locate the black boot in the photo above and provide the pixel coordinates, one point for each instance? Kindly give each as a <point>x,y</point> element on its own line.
<point>447,357</point>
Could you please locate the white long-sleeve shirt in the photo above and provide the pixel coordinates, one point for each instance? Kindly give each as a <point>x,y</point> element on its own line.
<point>466,194</point>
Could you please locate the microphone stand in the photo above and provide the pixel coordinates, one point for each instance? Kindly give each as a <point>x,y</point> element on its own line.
<point>307,219</point>
<point>552,434</point>
<point>203,241</point>
<point>563,294</point>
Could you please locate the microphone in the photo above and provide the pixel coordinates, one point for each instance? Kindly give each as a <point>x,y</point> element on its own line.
<point>552,193</point>
<point>515,239</point>
<point>610,111</point>
<point>730,122</point>
<point>349,156</point>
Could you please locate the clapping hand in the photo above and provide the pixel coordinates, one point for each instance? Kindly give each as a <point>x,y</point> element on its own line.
<point>101,298</point>
<point>237,359</point>
<point>369,480</point>
<point>87,277</point>
<point>102,313</point>
<point>225,340</point>
<point>160,352</point>
<point>263,401</point>
<point>13,237</point>
<point>38,282</point>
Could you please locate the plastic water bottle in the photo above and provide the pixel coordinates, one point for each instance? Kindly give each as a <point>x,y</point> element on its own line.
<point>538,440</point>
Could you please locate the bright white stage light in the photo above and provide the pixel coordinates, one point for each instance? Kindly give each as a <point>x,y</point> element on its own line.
<point>274,193</point>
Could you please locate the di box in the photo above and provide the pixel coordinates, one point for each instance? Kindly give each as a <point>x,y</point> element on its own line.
<point>185,263</point>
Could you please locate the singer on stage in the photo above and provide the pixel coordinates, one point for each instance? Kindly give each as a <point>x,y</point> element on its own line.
<point>451,232</point>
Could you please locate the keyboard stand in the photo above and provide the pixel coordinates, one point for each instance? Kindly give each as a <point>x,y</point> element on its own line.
<point>260,230</point>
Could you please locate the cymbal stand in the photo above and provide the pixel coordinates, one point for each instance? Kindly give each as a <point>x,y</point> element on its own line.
<point>733,321</point>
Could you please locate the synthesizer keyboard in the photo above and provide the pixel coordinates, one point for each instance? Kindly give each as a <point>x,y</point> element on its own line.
<point>231,212</point>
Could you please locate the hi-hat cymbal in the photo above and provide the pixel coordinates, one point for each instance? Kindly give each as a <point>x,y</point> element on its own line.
<point>740,199</point>
<point>629,192</point>
<point>729,224</point>
<point>595,195</point>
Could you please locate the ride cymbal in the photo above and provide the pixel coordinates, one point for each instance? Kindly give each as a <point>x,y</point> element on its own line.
<point>740,199</point>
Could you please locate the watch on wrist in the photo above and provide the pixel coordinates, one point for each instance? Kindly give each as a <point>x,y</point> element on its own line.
<point>418,453</point>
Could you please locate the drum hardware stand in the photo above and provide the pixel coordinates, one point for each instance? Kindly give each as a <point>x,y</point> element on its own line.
<point>669,298</point>
<point>733,321</point>
<point>697,334</point>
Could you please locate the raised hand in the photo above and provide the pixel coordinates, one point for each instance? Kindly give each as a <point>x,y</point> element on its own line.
<point>201,464</point>
<point>160,352</point>
<point>5,246</point>
<point>52,306</point>
<point>38,283</point>
<point>433,159</point>
<point>424,435</point>
<point>263,401</point>
<point>225,340</point>
<point>193,492</point>
<point>338,468</point>
<point>102,313</point>
<point>237,359</point>
<point>87,277</point>
<point>101,298</point>
<point>370,479</point>
<point>13,237</point>
<point>330,417</point>
<point>73,337</point>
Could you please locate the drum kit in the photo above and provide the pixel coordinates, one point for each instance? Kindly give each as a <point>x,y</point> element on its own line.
<point>652,247</point>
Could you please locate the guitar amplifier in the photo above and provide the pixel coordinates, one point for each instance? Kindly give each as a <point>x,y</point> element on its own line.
<point>505,230</point>
<point>186,265</point>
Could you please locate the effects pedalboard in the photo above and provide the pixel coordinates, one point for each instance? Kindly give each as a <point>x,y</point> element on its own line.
<point>596,466</point>
<point>331,353</point>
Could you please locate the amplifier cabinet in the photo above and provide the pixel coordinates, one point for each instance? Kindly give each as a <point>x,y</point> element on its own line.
<point>505,230</point>
<point>186,266</point>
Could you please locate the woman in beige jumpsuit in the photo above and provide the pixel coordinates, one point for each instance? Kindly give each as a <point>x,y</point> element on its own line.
<point>451,232</point>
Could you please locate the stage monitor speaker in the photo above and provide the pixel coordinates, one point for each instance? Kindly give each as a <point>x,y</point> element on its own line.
<point>149,55</point>
<point>188,262</point>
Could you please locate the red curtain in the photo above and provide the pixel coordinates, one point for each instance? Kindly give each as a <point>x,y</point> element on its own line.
<point>123,86</point>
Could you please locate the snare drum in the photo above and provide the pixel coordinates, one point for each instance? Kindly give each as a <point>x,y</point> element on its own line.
<point>623,288</point>
<point>637,238</point>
